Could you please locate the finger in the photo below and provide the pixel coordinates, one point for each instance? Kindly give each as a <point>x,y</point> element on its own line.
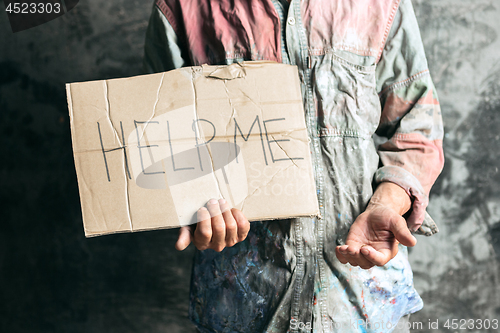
<point>352,254</point>
<point>185,238</point>
<point>346,255</point>
<point>352,249</point>
<point>203,232</point>
<point>242,224</point>
<point>340,255</point>
<point>379,258</point>
<point>356,258</point>
<point>363,262</point>
<point>348,252</point>
<point>402,233</point>
<point>343,249</point>
<point>231,227</point>
<point>218,242</point>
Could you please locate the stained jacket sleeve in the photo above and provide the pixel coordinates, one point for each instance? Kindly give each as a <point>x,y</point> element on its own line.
<point>412,157</point>
<point>163,50</point>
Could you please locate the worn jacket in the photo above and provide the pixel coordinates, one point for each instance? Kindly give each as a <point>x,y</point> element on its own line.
<point>364,79</point>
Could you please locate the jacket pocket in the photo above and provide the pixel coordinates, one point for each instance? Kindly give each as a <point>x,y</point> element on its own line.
<point>346,98</point>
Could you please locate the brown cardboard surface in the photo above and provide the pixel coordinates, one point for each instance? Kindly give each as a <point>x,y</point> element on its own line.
<point>150,150</point>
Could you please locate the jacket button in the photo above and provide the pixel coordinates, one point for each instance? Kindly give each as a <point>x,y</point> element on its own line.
<point>291,20</point>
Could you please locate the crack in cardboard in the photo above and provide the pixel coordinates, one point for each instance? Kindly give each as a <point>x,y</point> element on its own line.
<point>127,196</point>
<point>260,101</point>
<point>108,111</point>
<point>146,124</point>
<point>253,102</point>
<point>213,172</point>
<point>233,109</point>
<point>277,143</point>
<point>200,131</point>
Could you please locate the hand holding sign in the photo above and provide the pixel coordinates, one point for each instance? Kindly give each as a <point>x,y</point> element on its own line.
<point>218,227</point>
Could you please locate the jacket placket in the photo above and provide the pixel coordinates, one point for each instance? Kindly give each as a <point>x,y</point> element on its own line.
<point>299,55</point>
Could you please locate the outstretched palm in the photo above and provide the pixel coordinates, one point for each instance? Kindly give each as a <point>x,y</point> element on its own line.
<point>374,237</point>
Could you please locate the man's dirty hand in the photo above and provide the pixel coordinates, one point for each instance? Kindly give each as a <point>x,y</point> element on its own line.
<point>219,227</point>
<point>374,236</point>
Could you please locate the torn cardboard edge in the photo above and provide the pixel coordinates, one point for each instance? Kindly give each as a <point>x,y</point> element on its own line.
<point>235,132</point>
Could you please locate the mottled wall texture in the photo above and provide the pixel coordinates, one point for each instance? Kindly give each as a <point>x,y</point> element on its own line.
<point>55,280</point>
<point>457,271</point>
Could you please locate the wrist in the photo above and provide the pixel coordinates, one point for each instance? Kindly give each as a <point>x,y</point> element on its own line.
<point>391,196</point>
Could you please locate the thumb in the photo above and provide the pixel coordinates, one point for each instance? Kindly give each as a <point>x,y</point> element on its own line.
<point>184,238</point>
<point>402,233</point>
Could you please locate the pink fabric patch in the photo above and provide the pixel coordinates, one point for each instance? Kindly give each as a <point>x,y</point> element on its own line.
<point>357,26</point>
<point>224,29</point>
<point>415,153</point>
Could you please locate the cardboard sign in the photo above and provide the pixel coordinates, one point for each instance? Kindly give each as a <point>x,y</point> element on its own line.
<point>151,150</point>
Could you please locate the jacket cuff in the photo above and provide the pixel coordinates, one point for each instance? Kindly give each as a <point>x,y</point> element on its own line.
<point>418,221</point>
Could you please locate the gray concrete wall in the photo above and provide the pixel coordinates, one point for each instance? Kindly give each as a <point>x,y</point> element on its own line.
<point>457,271</point>
<point>55,280</point>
